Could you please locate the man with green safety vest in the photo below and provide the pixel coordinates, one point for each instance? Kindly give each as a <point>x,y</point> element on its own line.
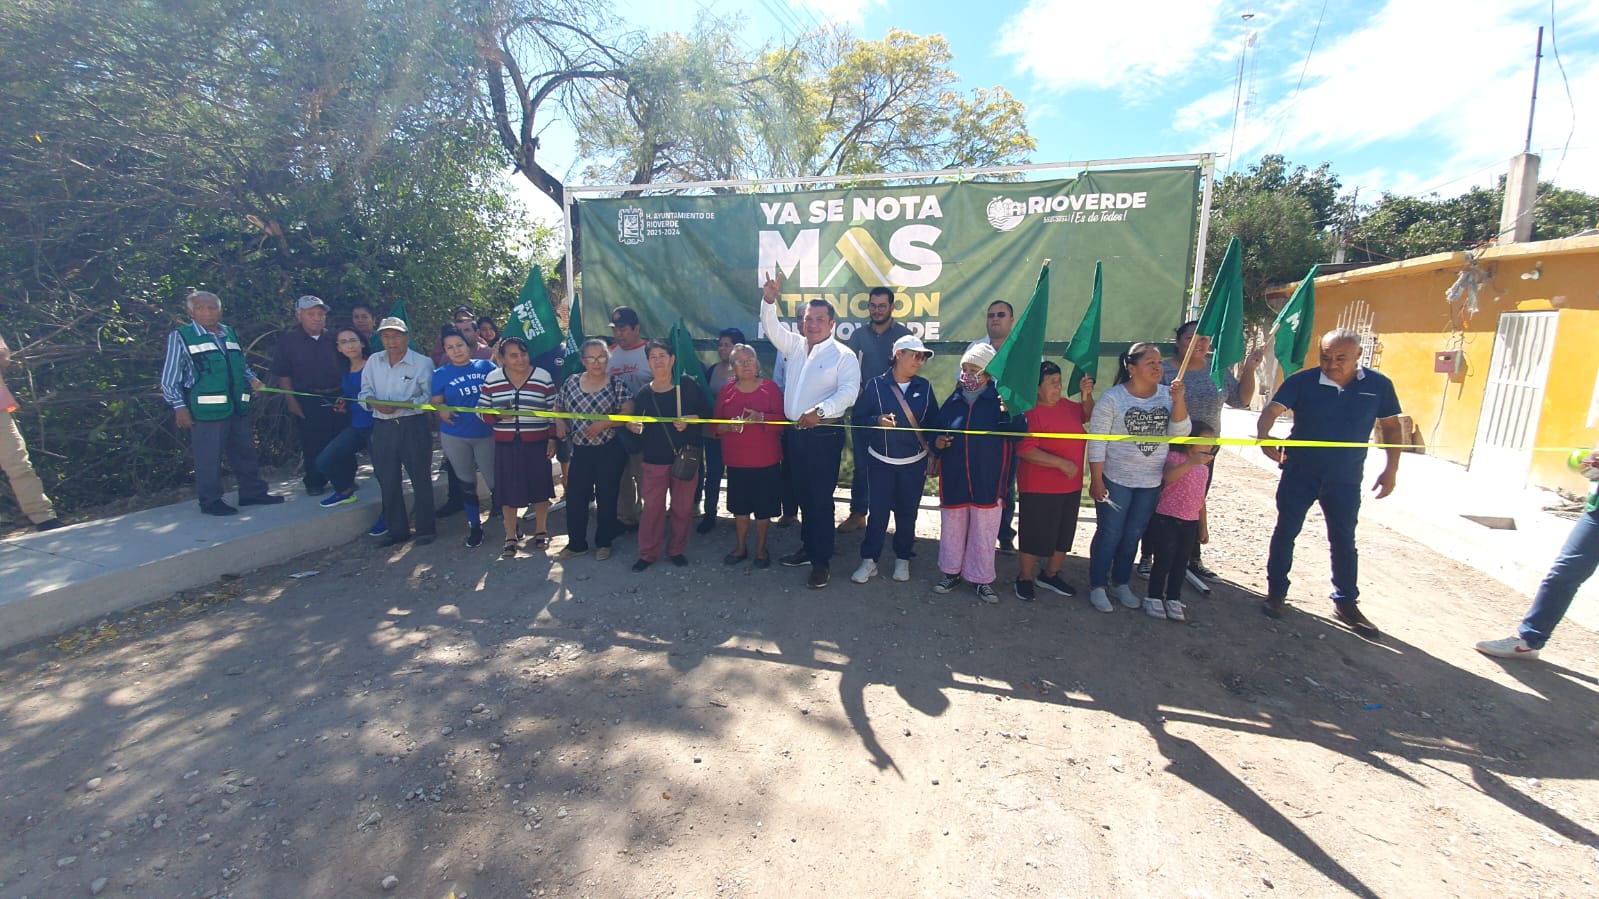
<point>208,384</point>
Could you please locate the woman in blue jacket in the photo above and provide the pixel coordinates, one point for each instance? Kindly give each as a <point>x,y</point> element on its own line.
<point>896,459</point>
<point>974,471</point>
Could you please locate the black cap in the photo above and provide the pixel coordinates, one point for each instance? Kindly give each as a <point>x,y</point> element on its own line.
<point>623,315</point>
<point>461,309</point>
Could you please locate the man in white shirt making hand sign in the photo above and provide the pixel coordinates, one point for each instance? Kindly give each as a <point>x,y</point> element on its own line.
<point>822,377</point>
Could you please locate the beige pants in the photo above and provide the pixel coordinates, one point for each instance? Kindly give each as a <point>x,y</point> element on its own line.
<point>25,482</point>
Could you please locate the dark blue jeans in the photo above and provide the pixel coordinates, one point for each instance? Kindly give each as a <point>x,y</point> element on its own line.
<point>1576,563</point>
<point>1117,532</point>
<point>814,454</point>
<point>897,490</point>
<point>337,463</point>
<point>1298,490</point>
<point>711,476</point>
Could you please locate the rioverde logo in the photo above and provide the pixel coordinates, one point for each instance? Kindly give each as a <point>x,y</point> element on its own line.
<point>1005,213</point>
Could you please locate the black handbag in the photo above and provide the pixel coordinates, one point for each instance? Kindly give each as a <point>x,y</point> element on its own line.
<point>686,458</point>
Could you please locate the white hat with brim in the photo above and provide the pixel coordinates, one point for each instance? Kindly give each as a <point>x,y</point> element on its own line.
<point>914,344</point>
<point>394,323</point>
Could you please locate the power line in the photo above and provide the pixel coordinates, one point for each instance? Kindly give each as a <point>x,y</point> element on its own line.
<point>1288,111</point>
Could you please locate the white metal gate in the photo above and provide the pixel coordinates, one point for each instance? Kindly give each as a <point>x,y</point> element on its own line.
<point>1513,398</point>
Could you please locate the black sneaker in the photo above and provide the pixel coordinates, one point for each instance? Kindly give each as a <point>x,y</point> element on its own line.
<point>474,538</point>
<point>1199,569</point>
<point>1272,606</point>
<point>1144,566</point>
<point>49,524</point>
<point>1024,591</point>
<point>796,559</point>
<point>820,577</point>
<point>947,583</point>
<point>640,565</point>
<point>707,524</point>
<point>1351,617</point>
<point>1054,582</point>
<point>218,507</point>
<point>679,560</point>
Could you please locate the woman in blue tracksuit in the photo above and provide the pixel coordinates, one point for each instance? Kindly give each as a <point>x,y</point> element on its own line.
<point>974,474</point>
<point>895,460</point>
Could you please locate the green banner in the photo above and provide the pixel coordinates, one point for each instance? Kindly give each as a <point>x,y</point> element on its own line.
<point>947,250</point>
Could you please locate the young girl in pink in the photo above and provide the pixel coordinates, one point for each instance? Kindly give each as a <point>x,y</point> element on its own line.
<point>1175,529</point>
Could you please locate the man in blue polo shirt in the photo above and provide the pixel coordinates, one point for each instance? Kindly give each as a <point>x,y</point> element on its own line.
<point>1340,401</point>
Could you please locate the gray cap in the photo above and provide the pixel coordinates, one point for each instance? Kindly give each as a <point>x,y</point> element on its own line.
<point>308,302</point>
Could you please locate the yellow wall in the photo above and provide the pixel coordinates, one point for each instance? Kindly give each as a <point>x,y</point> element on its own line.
<point>1413,321</point>
<point>1566,399</point>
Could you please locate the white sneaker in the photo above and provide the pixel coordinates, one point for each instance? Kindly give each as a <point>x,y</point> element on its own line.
<point>1508,648</point>
<point>1154,608</point>
<point>902,570</point>
<point>1175,611</point>
<point>866,572</point>
<point>1098,599</point>
<point>1125,594</point>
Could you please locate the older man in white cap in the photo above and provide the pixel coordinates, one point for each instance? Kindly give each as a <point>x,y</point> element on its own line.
<point>393,383</point>
<point>823,378</point>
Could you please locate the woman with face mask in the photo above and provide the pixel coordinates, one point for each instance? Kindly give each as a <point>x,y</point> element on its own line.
<point>974,471</point>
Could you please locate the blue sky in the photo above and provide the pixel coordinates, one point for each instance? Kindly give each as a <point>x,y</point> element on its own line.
<point>1404,96</point>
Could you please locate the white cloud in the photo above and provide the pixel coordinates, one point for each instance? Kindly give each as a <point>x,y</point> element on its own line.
<point>843,12</point>
<point>1408,73</point>
<point>1068,45</point>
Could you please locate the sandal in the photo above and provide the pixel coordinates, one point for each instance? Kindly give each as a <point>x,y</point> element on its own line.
<point>541,540</point>
<point>509,552</point>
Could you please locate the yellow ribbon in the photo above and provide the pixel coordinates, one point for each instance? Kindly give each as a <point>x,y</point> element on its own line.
<point>1108,438</point>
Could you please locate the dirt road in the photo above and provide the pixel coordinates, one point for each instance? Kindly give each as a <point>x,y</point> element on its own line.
<point>437,720</point>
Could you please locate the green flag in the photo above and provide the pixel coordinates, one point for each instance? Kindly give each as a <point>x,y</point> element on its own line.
<point>1294,325</point>
<point>688,361</point>
<point>1223,318</point>
<point>1015,366</point>
<point>533,318</point>
<point>1083,351</point>
<point>573,364</point>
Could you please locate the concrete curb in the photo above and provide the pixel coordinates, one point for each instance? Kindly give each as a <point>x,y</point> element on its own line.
<point>57,580</point>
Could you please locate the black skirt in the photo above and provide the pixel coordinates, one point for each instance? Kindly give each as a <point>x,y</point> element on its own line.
<point>522,474</point>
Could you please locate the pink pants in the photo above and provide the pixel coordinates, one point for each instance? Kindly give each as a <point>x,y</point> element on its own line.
<point>658,481</point>
<point>966,542</point>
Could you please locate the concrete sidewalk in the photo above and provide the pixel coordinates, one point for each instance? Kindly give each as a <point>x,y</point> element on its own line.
<point>1429,505</point>
<point>57,580</point>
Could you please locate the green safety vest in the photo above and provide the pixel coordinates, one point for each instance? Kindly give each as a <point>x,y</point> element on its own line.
<point>221,389</point>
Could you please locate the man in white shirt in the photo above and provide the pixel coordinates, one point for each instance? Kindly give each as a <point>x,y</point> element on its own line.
<point>822,379</point>
<point>1001,318</point>
<point>391,384</point>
